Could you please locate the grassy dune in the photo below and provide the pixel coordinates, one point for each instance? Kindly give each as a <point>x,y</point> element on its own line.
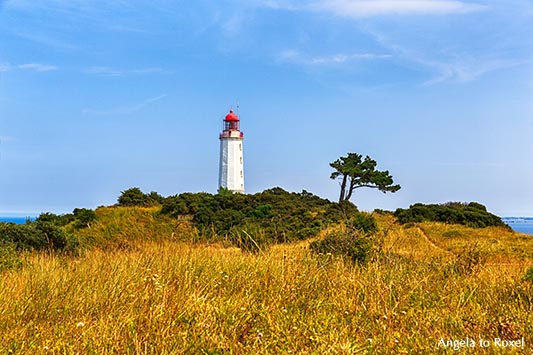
<point>167,294</point>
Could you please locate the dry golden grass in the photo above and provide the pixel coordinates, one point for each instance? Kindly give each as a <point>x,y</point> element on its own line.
<point>177,297</point>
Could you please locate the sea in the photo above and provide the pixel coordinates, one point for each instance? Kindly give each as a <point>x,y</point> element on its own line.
<point>17,220</point>
<point>520,224</point>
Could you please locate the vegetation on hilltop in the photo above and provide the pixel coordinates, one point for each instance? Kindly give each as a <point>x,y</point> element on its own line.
<point>252,222</point>
<point>280,215</point>
<point>135,197</point>
<point>471,214</point>
<point>45,233</point>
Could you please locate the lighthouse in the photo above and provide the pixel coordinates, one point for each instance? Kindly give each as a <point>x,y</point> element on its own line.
<point>231,171</point>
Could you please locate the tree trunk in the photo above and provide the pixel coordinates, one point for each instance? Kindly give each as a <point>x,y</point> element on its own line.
<point>343,187</point>
<point>350,190</point>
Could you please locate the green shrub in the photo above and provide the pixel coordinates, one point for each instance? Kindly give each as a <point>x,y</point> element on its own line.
<point>54,236</point>
<point>357,242</point>
<point>282,215</point>
<point>470,214</point>
<point>261,211</point>
<point>9,258</point>
<point>135,197</point>
<point>353,247</point>
<point>45,233</point>
<point>22,236</point>
<point>83,217</point>
<point>383,212</point>
<point>363,222</point>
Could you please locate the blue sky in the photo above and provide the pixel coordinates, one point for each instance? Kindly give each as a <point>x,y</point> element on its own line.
<point>99,96</point>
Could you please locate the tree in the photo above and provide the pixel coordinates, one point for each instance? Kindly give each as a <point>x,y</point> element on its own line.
<point>354,172</point>
<point>135,197</point>
<point>84,217</point>
<point>132,197</point>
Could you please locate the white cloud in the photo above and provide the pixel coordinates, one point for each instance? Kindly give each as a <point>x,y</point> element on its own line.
<point>37,67</point>
<point>109,71</point>
<point>367,8</point>
<point>341,58</point>
<point>460,67</point>
<point>124,109</point>
<point>5,67</point>
<point>465,70</point>
<point>295,56</point>
<point>282,4</point>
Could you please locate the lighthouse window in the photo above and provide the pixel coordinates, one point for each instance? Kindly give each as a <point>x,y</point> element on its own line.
<point>241,173</point>
<point>240,146</point>
<point>241,160</point>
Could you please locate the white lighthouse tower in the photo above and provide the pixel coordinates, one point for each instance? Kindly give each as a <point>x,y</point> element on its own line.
<point>231,172</point>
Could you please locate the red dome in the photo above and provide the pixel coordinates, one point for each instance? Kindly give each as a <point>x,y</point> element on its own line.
<point>231,117</point>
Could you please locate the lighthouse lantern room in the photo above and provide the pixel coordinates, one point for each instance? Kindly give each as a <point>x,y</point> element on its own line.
<point>231,171</point>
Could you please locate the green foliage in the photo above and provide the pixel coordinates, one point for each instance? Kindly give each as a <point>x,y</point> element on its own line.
<point>45,233</point>
<point>341,211</point>
<point>135,197</point>
<point>22,236</point>
<point>281,215</point>
<point>356,243</point>
<point>9,258</point>
<point>261,211</point>
<point>470,214</point>
<point>54,236</point>
<point>362,222</point>
<point>383,212</point>
<point>347,245</point>
<point>83,217</point>
<point>354,172</point>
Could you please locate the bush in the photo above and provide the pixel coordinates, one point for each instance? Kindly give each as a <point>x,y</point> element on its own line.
<point>281,215</point>
<point>383,212</point>
<point>135,197</point>
<point>354,247</point>
<point>54,236</point>
<point>83,217</point>
<point>22,236</point>
<point>8,257</point>
<point>472,214</point>
<point>357,242</point>
<point>363,222</point>
<point>45,233</point>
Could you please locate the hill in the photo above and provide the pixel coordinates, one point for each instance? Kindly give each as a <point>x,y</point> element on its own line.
<point>150,285</point>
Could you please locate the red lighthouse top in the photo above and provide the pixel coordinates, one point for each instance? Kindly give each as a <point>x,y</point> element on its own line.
<point>231,117</point>
<point>231,126</point>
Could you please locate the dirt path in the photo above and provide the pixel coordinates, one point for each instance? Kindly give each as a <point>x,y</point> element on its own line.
<point>433,245</point>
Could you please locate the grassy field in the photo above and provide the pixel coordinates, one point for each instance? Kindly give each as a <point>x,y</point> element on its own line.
<point>156,290</point>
